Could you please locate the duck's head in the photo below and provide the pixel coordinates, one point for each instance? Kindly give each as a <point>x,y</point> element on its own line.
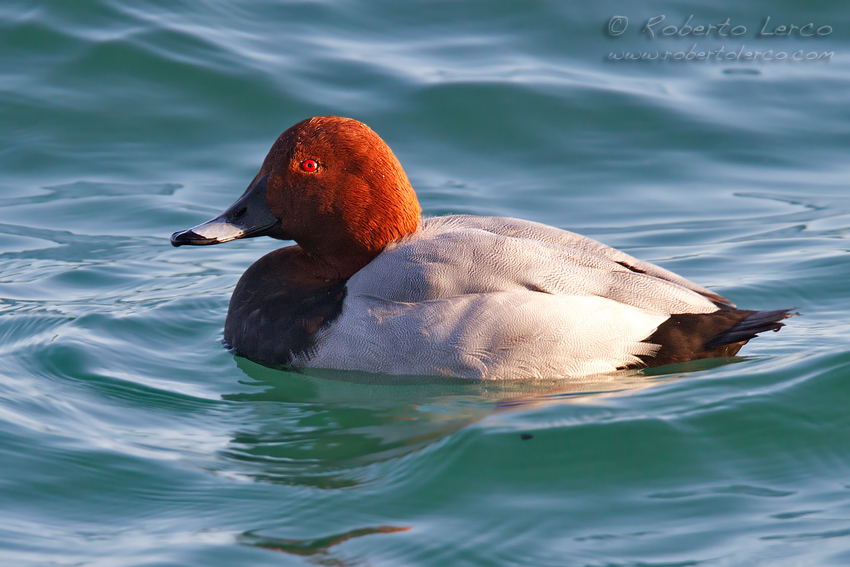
<point>329,183</point>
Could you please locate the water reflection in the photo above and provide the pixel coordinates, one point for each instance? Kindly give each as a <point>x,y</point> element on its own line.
<point>316,550</point>
<point>323,428</point>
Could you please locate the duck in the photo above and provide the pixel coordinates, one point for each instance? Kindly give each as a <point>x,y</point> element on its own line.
<point>371,285</point>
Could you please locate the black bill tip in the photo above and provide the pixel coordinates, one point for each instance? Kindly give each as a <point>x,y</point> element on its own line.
<point>188,237</point>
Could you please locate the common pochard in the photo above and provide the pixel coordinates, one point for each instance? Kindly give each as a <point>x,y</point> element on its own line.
<point>370,285</point>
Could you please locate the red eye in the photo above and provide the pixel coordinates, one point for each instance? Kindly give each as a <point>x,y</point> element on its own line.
<point>309,165</point>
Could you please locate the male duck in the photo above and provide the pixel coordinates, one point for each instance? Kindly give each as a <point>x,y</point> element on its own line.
<point>372,286</point>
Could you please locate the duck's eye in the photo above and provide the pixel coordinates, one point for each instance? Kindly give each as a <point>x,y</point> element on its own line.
<point>309,165</point>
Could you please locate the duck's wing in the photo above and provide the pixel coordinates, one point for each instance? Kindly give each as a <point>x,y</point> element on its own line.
<point>459,300</point>
<point>457,255</point>
<point>542,233</point>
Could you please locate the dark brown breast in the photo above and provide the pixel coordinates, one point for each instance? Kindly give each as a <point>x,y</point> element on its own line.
<point>279,305</point>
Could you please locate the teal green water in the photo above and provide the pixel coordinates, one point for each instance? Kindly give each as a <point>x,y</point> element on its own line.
<point>129,436</point>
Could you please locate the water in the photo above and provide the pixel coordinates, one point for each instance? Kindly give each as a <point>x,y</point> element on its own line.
<point>129,436</point>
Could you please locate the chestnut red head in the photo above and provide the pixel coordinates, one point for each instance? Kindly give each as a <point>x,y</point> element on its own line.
<point>329,183</point>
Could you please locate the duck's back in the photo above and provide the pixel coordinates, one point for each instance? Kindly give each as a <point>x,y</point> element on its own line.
<point>500,298</point>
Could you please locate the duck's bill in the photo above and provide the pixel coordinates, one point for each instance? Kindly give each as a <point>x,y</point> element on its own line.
<point>248,216</point>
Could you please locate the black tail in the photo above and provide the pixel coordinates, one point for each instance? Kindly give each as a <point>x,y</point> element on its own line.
<point>758,322</point>
<point>692,336</point>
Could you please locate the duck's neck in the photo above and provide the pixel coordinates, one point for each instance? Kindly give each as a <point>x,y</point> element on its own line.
<point>336,266</point>
<point>341,253</point>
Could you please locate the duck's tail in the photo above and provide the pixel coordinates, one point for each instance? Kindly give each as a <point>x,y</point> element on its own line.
<point>692,336</point>
<point>752,325</point>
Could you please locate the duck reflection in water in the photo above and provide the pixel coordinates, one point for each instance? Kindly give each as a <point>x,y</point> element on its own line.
<point>327,430</point>
<point>321,428</point>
